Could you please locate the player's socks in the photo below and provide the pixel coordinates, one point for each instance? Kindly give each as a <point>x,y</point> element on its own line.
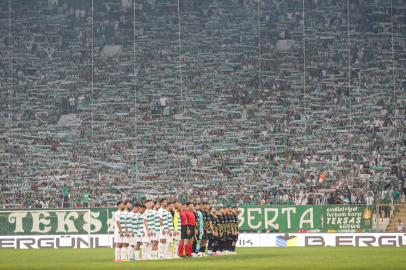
<point>137,254</point>
<point>175,249</point>
<point>130,252</point>
<point>180,250</point>
<point>117,253</point>
<point>124,253</point>
<point>210,245</point>
<point>145,250</point>
<point>149,249</point>
<point>160,250</point>
<point>167,249</point>
<point>203,249</point>
<point>190,250</point>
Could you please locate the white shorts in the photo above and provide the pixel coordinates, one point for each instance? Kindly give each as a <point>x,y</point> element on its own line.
<point>126,240</point>
<point>138,238</point>
<point>155,237</point>
<point>169,239</point>
<point>118,239</point>
<point>146,239</point>
<point>133,241</point>
<point>163,236</point>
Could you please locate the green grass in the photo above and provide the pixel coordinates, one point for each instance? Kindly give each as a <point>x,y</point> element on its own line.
<point>247,258</point>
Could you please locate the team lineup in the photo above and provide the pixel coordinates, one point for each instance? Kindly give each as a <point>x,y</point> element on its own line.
<point>170,230</point>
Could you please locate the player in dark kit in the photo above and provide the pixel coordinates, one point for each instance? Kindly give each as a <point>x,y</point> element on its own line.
<point>210,231</point>
<point>234,211</point>
<point>215,225</point>
<point>229,229</point>
<point>221,241</point>
<point>206,226</point>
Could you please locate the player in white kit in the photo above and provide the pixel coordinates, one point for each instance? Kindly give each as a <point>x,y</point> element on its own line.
<point>134,228</point>
<point>170,235</point>
<point>140,231</point>
<point>157,229</point>
<point>164,232</point>
<point>126,242</point>
<point>119,222</point>
<point>148,230</point>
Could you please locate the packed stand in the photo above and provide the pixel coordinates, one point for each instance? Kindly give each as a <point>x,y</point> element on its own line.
<point>204,121</point>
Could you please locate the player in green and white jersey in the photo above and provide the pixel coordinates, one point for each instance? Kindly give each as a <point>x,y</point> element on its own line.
<point>157,229</point>
<point>134,228</point>
<point>119,230</point>
<point>126,242</point>
<point>164,232</point>
<point>149,228</point>
<point>140,230</point>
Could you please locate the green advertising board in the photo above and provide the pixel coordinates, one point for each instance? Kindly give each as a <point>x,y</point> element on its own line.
<point>347,217</point>
<point>49,221</point>
<point>279,218</point>
<point>250,219</point>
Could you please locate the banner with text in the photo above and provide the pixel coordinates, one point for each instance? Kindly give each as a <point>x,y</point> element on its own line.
<point>280,218</point>
<point>49,221</point>
<point>347,217</point>
<point>282,240</point>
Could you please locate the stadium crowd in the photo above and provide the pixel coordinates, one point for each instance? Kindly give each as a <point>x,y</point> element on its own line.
<point>205,121</point>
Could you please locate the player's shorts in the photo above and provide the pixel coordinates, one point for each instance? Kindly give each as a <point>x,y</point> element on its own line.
<point>126,240</point>
<point>192,233</point>
<point>138,238</point>
<point>163,236</point>
<point>183,232</point>
<point>155,237</point>
<point>146,239</point>
<point>118,239</point>
<point>133,241</point>
<point>204,236</point>
<point>169,239</point>
<point>229,236</point>
<point>209,235</point>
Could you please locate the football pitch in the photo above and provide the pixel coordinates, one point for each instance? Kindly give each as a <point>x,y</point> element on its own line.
<point>247,258</point>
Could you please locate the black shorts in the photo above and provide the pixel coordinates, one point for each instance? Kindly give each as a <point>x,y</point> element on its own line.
<point>209,236</point>
<point>204,236</point>
<point>183,232</point>
<point>192,233</point>
<point>229,236</point>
